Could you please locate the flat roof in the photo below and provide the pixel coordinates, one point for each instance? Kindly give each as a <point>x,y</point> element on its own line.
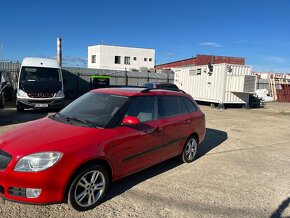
<point>120,46</point>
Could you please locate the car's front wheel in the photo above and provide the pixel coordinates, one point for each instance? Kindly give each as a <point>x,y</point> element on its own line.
<point>190,149</point>
<point>88,188</point>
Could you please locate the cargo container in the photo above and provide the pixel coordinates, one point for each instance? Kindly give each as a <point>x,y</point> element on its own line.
<point>217,83</point>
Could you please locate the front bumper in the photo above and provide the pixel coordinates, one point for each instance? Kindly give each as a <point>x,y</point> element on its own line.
<point>52,183</point>
<point>36,103</point>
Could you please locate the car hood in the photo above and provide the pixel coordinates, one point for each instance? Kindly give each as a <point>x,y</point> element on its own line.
<point>45,135</point>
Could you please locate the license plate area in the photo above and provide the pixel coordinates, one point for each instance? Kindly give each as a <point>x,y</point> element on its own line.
<point>41,105</point>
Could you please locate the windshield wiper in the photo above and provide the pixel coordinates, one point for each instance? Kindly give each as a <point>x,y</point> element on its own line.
<point>68,119</point>
<point>61,116</point>
<point>89,123</point>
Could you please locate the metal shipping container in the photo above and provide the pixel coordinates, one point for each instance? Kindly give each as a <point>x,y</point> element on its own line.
<point>217,83</point>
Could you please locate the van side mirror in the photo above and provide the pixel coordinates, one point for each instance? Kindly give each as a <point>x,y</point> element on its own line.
<point>130,121</point>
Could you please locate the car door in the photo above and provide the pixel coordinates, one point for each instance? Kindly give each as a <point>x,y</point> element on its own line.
<point>138,147</point>
<point>175,123</point>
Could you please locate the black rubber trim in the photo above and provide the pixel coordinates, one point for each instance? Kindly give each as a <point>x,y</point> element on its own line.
<point>152,149</point>
<point>5,159</point>
<point>29,203</point>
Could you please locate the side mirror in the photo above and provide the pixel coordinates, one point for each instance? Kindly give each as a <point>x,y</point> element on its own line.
<point>130,121</point>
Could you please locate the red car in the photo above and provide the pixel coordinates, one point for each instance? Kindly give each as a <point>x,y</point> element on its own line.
<point>102,136</point>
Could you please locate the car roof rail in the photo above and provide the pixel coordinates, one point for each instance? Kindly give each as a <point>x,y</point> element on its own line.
<point>146,90</point>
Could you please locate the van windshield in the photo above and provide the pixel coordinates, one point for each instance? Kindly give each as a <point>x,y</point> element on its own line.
<point>40,79</point>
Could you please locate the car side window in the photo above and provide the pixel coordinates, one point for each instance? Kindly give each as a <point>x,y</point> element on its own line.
<point>189,104</point>
<point>183,106</point>
<point>168,106</point>
<point>143,107</point>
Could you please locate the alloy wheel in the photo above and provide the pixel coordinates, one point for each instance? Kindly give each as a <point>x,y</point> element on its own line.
<point>90,188</point>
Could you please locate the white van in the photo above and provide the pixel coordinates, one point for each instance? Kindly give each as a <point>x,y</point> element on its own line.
<point>40,84</point>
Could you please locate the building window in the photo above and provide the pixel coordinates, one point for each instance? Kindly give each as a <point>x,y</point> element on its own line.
<point>93,59</point>
<point>135,59</point>
<point>127,60</point>
<point>150,59</point>
<point>145,59</point>
<point>117,59</point>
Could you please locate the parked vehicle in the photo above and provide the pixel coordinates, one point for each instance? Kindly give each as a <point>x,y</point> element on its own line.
<point>102,136</point>
<point>161,85</point>
<point>40,84</point>
<point>6,88</point>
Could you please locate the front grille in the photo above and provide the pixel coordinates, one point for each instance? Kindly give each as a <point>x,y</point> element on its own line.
<point>4,159</point>
<point>40,95</point>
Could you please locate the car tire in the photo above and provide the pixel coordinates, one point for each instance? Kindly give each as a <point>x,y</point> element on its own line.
<point>88,188</point>
<point>2,102</point>
<point>190,150</point>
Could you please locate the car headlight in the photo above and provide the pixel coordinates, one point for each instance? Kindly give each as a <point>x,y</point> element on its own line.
<point>21,94</point>
<point>60,94</point>
<point>37,162</point>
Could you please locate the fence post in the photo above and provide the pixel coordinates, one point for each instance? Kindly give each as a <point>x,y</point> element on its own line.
<point>168,77</point>
<point>148,77</point>
<point>126,77</point>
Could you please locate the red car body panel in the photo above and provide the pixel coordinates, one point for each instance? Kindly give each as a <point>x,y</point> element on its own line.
<point>126,149</point>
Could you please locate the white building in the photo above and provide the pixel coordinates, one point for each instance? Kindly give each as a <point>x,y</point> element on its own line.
<point>121,58</point>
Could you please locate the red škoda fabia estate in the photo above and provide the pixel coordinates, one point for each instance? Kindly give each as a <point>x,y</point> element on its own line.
<point>102,136</point>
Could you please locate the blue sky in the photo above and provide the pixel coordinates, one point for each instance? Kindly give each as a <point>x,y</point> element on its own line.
<point>258,30</point>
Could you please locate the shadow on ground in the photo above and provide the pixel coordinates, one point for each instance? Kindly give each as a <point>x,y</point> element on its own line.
<point>9,115</point>
<point>213,139</point>
<point>282,207</point>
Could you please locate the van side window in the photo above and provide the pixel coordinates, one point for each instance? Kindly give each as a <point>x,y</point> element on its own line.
<point>189,104</point>
<point>168,106</point>
<point>144,108</point>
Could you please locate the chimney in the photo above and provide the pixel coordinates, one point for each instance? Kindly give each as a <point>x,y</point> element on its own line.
<point>59,51</point>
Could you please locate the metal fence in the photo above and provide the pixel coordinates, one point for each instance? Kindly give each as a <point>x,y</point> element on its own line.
<point>77,80</point>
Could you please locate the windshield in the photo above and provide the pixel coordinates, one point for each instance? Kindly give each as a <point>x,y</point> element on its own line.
<point>40,79</point>
<point>95,108</point>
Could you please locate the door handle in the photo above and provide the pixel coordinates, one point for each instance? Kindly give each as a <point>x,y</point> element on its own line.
<point>152,130</point>
<point>187,121</point>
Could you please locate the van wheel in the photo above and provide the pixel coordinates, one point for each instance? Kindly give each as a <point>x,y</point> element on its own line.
<point>2,102</point>
<point>88,188</point>
<point>19,109</point>
<point>190,149</point>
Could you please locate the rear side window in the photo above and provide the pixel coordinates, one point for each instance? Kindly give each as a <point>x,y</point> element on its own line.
<point>168,106</point>
<point>183,106</point>
<point>144,108</point>
<point>189,104</point>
